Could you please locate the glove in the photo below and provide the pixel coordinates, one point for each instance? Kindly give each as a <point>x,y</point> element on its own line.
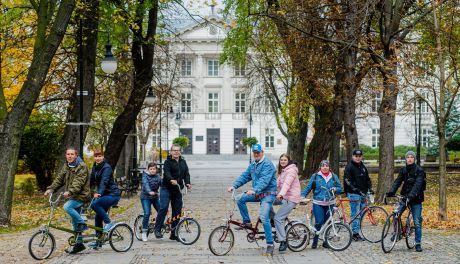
<point>390,194</point>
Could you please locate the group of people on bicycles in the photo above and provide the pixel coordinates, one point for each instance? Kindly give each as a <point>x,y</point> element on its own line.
<point>80,186</point>
<point>271,186</point>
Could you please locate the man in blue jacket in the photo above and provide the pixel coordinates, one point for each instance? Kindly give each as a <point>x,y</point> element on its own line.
<point>262,173</point>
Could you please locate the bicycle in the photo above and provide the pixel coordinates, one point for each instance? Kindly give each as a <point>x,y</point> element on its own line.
<point>42,243</point>
<point>187,230</point>
<point>332,232</point>
<point>394,230</point>
<point>371,218</point>
<point>221,240</point>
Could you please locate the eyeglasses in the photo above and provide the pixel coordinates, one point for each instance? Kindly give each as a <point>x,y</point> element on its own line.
<point>175,150</point>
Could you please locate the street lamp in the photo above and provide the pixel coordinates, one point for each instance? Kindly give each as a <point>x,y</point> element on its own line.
<point>109,63</point>
<point>150,98</point>
<point>178,121</point>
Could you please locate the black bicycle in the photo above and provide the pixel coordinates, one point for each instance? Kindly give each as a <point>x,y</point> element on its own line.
<point>394,229</point>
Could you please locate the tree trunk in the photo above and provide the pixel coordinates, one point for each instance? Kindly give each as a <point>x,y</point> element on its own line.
<point>442,211</point>
<point>349,123</point>
<point>142,53</point>
<point>386,114</point>
<point>320,144</point>
<point>12,128</point>
<point>90,22</point>
<point>296,144</point>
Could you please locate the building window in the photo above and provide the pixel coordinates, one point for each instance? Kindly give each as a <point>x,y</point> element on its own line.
<point>186,67</point>
<point>376,102</point>
<point>240,102</point>
<point>269,137</point>
<point>423,105</point>
<point>213,102</point>
<point>240,70</point>
<point>375,137</point>
<point>213,68</point>
<point>186,102</point>
<point>426,137</point>
<point>156,138</point>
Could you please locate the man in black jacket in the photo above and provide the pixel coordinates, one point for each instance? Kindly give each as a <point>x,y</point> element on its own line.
<point>175,175</point>
<point>412,177</point>
<point>357,183</point>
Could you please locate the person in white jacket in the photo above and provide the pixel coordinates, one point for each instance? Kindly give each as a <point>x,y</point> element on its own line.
<point>288,187</point>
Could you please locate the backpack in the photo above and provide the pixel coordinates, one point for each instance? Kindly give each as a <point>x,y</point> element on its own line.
<point>417,170</point>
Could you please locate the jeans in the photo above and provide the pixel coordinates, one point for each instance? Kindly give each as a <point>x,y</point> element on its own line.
<point>72,208</point>
<point>417,216</point>
<point>147,207</point>
<point>355,208</point>
<point>266,205</point>
<point>321,214</point>
<point>280,217</point>
<point>101,206</point>
<point>166,196</point>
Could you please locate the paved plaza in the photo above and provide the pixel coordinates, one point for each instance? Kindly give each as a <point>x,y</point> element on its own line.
<point>210,204</point>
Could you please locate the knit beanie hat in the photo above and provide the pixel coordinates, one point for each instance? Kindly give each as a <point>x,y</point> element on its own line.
<point>410,153</point>
<point>324,162</point>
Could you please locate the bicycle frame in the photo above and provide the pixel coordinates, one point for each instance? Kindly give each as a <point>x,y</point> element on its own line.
<point>358,215</point>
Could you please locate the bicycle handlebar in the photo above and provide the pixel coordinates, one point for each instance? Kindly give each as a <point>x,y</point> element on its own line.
<point>57,199</point>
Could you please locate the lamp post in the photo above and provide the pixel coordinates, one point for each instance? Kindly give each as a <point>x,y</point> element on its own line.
<point>80,79</point>
<point>167,126</point>
<point>250,131</point>
<point>178,121</point>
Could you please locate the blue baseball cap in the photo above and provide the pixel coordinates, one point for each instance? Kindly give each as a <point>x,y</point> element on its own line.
<point>257,148</point>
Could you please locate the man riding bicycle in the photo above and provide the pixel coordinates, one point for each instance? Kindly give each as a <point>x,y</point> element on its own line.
<point>412,177</point>
<point>262,173</point>
<point>74,177</point>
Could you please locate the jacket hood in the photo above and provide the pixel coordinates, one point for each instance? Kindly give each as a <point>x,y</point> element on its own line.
<point>291,167</point>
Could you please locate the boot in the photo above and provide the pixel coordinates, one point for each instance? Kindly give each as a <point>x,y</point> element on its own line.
<point>77,248</point>
<point>144,235</point>
<point>270,249</point>
<point>283,246</point>
<point>315,242</point>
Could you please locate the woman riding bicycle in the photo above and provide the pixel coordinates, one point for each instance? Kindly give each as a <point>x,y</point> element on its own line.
<point>106,195</point>
<point>322,200</point>
<point>288,192</point>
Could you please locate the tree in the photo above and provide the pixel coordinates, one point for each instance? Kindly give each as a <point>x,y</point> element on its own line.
<point>52,21</point>
<point>141,18</point>
<point>436,66</point>
<point>40,147</point>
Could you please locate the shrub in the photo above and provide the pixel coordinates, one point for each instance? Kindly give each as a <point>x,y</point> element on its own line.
<point>249,141</point>
<point>454,143</point>
<point>28,186</point>
<point>181,141</point>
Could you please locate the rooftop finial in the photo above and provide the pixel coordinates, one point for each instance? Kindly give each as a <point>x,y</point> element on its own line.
<point>212,5</point>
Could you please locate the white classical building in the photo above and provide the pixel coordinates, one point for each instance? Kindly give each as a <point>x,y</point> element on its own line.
<point>214,108</point>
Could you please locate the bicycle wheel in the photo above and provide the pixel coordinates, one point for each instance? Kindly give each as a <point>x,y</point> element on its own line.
<point>221,240</point>
<point>390,233</point>
<point>41,245</point>
<point>297,237</point>
<point>188,231</point>
<point>338,236</point>
<point>372,221</point>
<point>410,232</point>
<point>138,227</point>
<point>121,237</point>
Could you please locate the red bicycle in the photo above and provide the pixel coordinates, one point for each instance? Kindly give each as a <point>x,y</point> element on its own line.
<point>371,218</point>
<point>221,240</point>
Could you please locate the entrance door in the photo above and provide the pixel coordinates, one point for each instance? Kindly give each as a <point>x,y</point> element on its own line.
<point>213,141</point>
<point>188,133</point>
<point>238,135</point>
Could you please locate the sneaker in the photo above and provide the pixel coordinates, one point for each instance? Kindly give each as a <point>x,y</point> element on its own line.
<point>246,225</point>
<point>269,251</point>
<point>108,226</point>
<point>325,245</point>
<point>77,248</point>
<point>418,248</point>
<point>95,245</point>
<point>144,235</point>
<point>158,235</point>
<point>357,237</point>
<point>283,246</point>
<point>173,237</point>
